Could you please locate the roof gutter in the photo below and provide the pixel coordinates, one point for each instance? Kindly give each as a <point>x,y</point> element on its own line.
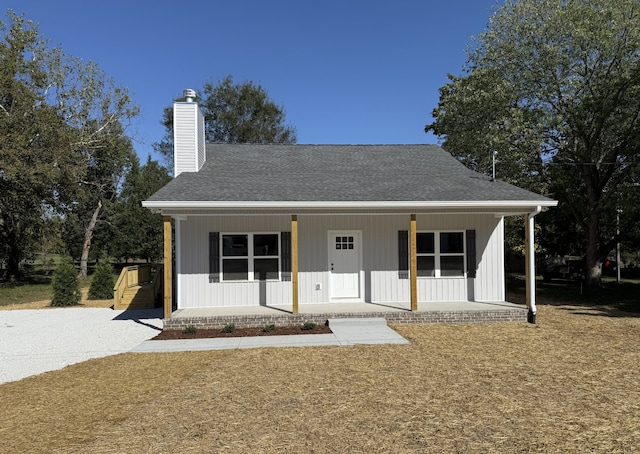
<point>525,204</point>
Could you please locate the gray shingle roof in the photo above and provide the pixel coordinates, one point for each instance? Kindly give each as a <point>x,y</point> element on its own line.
<point>344,173</point>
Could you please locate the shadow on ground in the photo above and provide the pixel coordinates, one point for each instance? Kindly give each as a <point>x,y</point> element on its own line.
<point>610,300</point>
<point>140,315</point>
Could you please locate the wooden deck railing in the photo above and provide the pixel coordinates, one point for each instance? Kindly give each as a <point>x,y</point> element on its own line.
<point>136,276</point>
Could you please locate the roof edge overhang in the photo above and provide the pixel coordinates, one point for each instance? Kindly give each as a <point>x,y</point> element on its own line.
<point>521,206</point>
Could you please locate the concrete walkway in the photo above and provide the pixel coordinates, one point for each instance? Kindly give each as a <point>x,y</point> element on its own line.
<point>345,332</point>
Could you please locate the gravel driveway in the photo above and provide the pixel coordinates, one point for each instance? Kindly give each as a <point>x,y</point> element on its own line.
<point>37,341</point>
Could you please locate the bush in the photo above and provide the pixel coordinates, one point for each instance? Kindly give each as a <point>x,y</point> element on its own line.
<point>308,326</point>
<point>66,288</point>
<point>269,328</point>
<point>230,328</point>
<point>102,283</point>
<point>189,329</point>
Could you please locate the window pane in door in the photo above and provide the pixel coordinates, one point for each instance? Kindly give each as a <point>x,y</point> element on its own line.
<point>451,266</point>
<point>235,269</point>
<point>264,269</point>
<point>235,245</point>
<point>265,244</point>
<point>451,242</point>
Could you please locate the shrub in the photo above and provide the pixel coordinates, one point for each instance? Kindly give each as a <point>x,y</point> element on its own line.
<point>230,328</point>
<point>66,288</point>
<point>269,328</point>
<point>102,282</point>
<point>189,329</point>
<point>308,326</point>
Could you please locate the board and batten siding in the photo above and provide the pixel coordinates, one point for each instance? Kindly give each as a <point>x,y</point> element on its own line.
<point>194,288</point>
<point>379,259</point>
<point>489,282</point>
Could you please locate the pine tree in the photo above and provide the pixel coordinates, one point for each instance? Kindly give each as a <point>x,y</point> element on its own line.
<point>102,283</point>
<point>66,287</point>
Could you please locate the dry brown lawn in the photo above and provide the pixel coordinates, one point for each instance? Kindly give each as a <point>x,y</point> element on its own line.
<point>571,383</point>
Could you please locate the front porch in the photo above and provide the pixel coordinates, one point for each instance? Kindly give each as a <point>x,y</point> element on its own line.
<point>258,316</point>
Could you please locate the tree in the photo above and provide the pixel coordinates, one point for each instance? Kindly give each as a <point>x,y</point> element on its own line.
<point>102,283</point>
<point>55,112</point>
<point>107,166</point>
<point>66,288</point>
<point>234,113</point>
<point>554,87</point>
<point>138,231</point>
<point>35,159</point>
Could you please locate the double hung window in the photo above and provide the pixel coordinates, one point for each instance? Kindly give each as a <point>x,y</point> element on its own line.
<point>250,256</point>
<point>440,254</point>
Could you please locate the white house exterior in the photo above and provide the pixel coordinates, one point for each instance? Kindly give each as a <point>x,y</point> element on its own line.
<point>319,224</point>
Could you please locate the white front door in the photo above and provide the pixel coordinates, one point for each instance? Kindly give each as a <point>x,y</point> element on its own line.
<point>344,264</point>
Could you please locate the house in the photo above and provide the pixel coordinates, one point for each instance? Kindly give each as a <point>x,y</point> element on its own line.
<point>291,225</point>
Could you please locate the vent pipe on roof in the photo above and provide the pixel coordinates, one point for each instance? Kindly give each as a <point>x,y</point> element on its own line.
<point>189,94</point>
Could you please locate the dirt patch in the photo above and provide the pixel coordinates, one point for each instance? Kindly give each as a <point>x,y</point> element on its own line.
<point>241,332</point>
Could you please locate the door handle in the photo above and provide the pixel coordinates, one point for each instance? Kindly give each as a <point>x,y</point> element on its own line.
<point>332,267</point>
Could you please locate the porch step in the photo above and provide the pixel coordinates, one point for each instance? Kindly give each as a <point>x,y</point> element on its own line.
<point>139,297</point>
<point>373,330</point>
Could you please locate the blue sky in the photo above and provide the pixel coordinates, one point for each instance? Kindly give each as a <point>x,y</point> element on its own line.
<point>345,71</point>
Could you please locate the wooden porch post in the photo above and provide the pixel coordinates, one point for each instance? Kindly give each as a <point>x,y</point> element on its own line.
<point>294,262</point>
<point>168,271</point>
<point>413,264</point>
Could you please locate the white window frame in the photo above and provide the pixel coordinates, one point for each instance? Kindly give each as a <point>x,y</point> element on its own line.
<point>250,257</point>
<point>437,254</point>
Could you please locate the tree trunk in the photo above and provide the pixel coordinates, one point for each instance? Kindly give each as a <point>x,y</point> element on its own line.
<point>15,253</point>
<point>593,259</point>
<point>13,264</point>
<point>88,234</point>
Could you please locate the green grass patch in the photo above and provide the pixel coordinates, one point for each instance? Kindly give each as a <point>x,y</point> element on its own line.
<point>24,293</point>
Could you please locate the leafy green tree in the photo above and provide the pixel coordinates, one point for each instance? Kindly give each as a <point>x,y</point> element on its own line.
<point>106,169</point>
<point>102,282</point>
<point>554,87</point>
<point>234,113</point>
<point>36,159</point>
<point>66,287</point>
<point>55,112</point>
<point>138,231</point>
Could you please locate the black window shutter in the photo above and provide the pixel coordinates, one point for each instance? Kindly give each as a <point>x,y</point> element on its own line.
<point>471,253</point>
<point>214,257</point>
<point>285,255</point>
<point>403,254</point>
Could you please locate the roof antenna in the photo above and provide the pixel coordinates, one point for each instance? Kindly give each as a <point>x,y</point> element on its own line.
<point>493,175</point>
